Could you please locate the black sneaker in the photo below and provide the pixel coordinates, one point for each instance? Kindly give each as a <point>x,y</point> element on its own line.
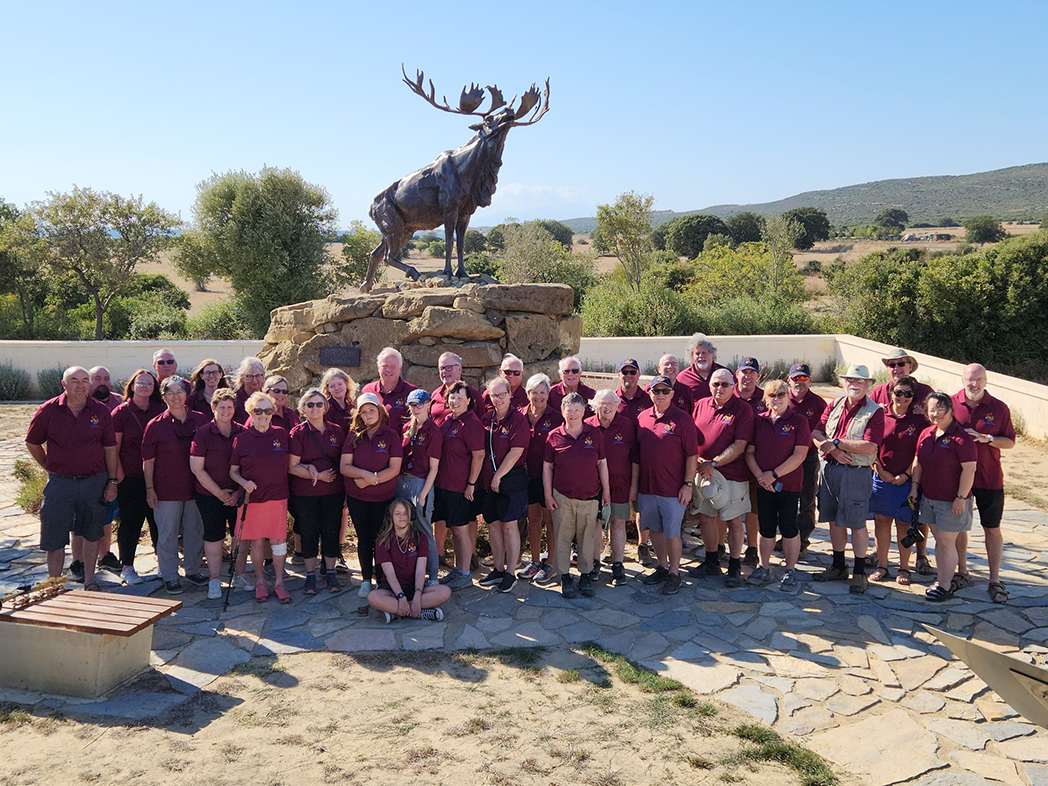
<point>509,581</point>
<point>110,562</point>
<point>586,585</point>
<point>567,586</point>
<point>734,577</point>
<point>657,576</point>
<point>618,574</point>
<point>750,557</point>
<point>706,570</point>
<point>722,555</point>
<point>493,579</point>
<point>672,585</point>
<point>197,579</point>
<point>594,575</point>
<point>173,587</point>
<point>76,571</point>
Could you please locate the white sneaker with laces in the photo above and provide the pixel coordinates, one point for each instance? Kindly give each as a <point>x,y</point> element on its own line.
<point>130,576</point>
<point>365,589</point>
<point>214,589</point>
<point>242,582</point>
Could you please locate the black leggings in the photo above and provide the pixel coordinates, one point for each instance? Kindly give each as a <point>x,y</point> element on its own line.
<point>320,519</point>
<point>777,510</point>
<point>131,495</point>
<point>367,521</point>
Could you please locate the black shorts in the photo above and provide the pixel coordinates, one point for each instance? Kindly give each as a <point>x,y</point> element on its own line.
<point>510,502</point>
<point>991,507</point>
<point>217,518</point>
<point>536,493</point>
<point>451,507</point>
<point>407,589</point>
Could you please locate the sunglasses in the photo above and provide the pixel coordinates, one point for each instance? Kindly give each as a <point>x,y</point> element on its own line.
<point>899,364</point>
<point>777,395</point>
<point>903,393</point>
<point>315,404</point>
<point>721,385</point>
<point>165,362</point>
<point>415,404</point>
<point>509,373</point>
<point>661,391</point>
<point>801,379</point>
<point>277,392</point>
<point>573,371</point>
<point>258,413</point>
<point>629,372</point>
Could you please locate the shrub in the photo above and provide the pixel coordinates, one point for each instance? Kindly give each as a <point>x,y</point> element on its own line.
<point>31,481</point>
<point>1044,222</point>
<point>474,242</point>
<point>437,248</point>
<point>49,380</point>
<point>14,383</point>
<point>222,321</point>
<point>813,266</point>
<point>153,317</point>
<point>481,264</point>
<point>613,308</point>
<point>983,229</point>
<point>751,316</point>
<point>533,255</point>
<point>561,232</point>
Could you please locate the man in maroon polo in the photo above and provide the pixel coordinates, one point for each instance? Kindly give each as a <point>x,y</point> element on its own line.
<point>101,391</point>
<point>449,367</point>
<point>81,461</point>
<point>669,367</point>
<point>901,364</point>
<point>164,364</point>
<point>632,398</point>
<point>511,370</point>
<point>747,375</point>
<point>570,369</point>
<point>101,388</point>
<point>811,406</point>
<point>703,357</point>
<point>989,422</point>
<point>391,389</point>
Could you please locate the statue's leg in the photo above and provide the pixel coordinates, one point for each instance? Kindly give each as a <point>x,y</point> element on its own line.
<point>449,239</point>
<point>460,242</point>
<point>373,262</point>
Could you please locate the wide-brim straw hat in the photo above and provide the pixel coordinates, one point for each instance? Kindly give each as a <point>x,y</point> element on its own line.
<point>901,354</point>
<point>856,371</point>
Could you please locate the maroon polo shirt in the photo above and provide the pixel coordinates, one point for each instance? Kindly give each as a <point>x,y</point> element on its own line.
<point>263,459</point>
<point>665,442</point>
<point>989,416</point>
<point>620,449</point>
<point>339,415</point>
<point>719,428</point>
<point>874,426</point>
<point>286,419</point>
<point>216,450</point>
<point>168,441</point>
<point>900,440</point>
<point>773,443</point>
<point>540,430</point>
<point>681,396</point>
<point>438,409</point>
<point>632,407</point>
<point>373,454</point>
<point>941,457</point>
<point>513,431</point>
<point>240,413</point>
<point>395,402</point>
<point>403,557</point>
<point>811,407</point>
<point>130,423</point>
<point>112,401</point>
<point>426,444</point>
<point>882,395</point>
<point>323,451</point>
<point>756,401</point>
<point>558,392</point>
<point>75,443</point>
<point>699,387</point>
<point>575,460</point>
<point>518,399</point>
<point>198,403</point>
<point>461,436</point>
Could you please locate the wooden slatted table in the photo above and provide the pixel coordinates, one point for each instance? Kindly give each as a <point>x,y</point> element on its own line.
<point>78,643</point>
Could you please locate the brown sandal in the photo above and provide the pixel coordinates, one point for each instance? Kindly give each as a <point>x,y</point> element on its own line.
<point>902,577</point>
<point>998,594</point>
<point>924,567</point>
<point>880,574</point>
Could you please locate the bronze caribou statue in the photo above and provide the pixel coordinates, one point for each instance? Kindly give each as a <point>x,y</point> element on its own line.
<point>448,191</point>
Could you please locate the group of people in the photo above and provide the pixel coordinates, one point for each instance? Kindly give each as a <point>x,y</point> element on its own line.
<point>559,466</point>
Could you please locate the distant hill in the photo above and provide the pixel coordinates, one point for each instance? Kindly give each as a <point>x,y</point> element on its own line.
<point>1016,193</point>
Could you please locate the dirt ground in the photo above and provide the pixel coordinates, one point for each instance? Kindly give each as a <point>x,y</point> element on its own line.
<point>423,718</point>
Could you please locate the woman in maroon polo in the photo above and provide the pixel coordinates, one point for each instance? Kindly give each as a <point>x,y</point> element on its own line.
<point>141,404</point>
<point>781,440</point>
<point>891,478</point>
<point>423,445</point>
<point>542,419</point>
<point>371,459</point>
<point>249,378</point>
<point>341,392</point>
<point>462,454</point>
<point>504,483</point>
<point>316,487</point>
<point>620,449</point>
<point>169,485</point>
<point>259,463</point>
<point>944,471</point>
<point>217,494</point>
<point>284,416</point>
<point>207,378</point>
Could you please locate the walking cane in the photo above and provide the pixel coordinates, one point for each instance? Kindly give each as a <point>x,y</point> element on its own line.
<point>236,550</point>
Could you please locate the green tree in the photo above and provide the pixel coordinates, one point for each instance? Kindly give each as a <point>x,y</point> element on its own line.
<point>723,273</point>
<point>265,235</point>
<point>892,218</point>
<point>357,245</point>
<point>687,234</point>
<point>716,240</point>
<point>626,228</point>
<point>24,258</point>
<point>561,232</point>
<point>192,258</point>
<point>533,255</point>
<point>814,224</point>
<point>474,242</point>
<point>1044,222</point>
<point>100,238</point>
<point>496,239</point>
<point>658,236</point>
<point>983,229</point>
<point>745,227</point>
<point>780,237</point>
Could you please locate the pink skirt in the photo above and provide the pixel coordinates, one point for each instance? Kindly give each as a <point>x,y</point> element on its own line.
<point>266,520</point>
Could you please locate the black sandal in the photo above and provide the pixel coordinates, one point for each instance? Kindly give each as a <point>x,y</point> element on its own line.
<point>937,594</point>
<point>881,574</point>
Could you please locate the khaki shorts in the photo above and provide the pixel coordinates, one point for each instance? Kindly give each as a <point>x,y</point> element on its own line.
<point>940,515</point>
<point>738,500</point>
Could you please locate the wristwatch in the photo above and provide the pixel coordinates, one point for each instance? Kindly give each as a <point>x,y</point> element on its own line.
<point>114,480</point>
<point>836,442</point>
<point>689,483</point>
<point>400,595</point>
<point>713,464</point>
<point>775,474</point>
<point>991,439</point>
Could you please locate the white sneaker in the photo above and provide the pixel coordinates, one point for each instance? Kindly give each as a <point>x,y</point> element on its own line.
<point>433,615</point>
<point>214,589</point>
<point>365,589</point>
<point>242,582</point>
<point>130,576</point>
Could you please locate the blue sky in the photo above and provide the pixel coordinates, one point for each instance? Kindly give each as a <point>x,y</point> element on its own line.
<point>695,103</point>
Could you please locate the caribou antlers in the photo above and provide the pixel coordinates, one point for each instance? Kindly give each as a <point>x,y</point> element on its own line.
<point>473,96</point>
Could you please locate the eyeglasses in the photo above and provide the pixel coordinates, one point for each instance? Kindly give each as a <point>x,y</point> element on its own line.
<point>628,372</point>
<point>315,404</point>
<point>260,413</point>
<point>448,368</point>
<point>511,373</point>
<point>721,385</point>
<point>211,373</point>
<point>277,392</point>
<point>898,364</point>
<point>144,382</point>
<point>572,371</point>
<point>780,394</point>
<point>254,376</point>
<point>661,391</point>
<point>499,396</point>
<point>903,393</point>
<point>801,379</point>
<point>166,362</point>
<point>852,380</point>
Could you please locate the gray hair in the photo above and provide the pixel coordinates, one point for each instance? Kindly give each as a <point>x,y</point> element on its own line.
<point>445,355</point>
<point>570,359</point>
<point>161,351</point>
<point>170,382</point>
<point>723,372</point>
<point>272,380</point>
<point>572,398</point>
<point>509,359</point>
<point>72,370</point>
<point>494,382</point>
<point>602,395</point>
<point>247,365</point>
<point>700,340</point>
<point>310,393</point>
<point>534,381</point>
<point>390,352</point>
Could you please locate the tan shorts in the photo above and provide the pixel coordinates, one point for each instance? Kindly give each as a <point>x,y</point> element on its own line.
<point>738,500</point>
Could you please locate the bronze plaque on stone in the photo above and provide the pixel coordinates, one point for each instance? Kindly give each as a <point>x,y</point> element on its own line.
<point>347,357</point>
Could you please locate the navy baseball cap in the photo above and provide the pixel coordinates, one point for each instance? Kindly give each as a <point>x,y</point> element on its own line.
<point>629,363</point>
<point>749,364</point>
<point>418,396</point>
<point>661,380</point>
<point>800,370</point>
